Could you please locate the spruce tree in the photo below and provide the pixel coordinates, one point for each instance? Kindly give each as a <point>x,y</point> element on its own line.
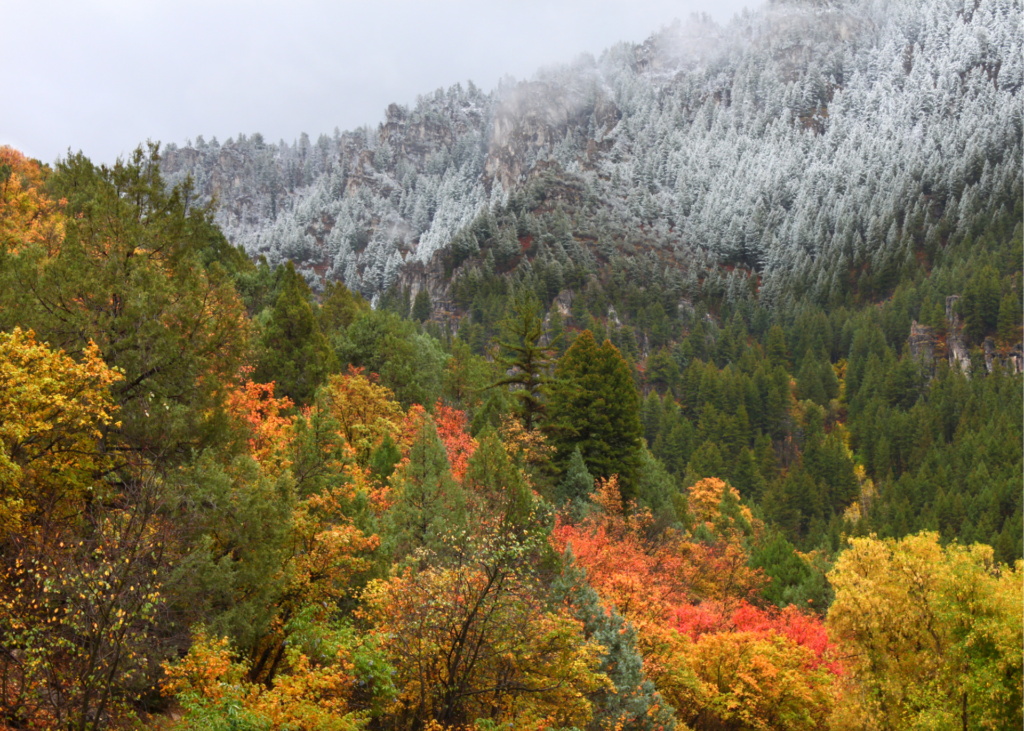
<point>980,304</point>
<point>429,504</point>
<point>808,382</point>
<point>422,307</point>
<point>577,484</point>
<point>1009,319</point>
<point>634,703</point>
<point>778,353</point>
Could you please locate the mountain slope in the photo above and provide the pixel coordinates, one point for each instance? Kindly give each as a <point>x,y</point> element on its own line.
<point>808,142</point>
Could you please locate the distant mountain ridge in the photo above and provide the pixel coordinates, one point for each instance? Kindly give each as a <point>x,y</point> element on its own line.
<point>803,142</point>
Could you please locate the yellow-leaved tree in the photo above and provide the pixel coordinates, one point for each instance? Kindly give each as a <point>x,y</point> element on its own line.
<point>53,412</point>
<point>933,635</point>
<point>79,544</point>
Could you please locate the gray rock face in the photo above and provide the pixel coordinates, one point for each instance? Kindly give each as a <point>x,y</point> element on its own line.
<point>536,116</point>
<point>1011,361</point>
<point>989,348</point>
<point>563,303</point>
<point>418,275</point>
<point>955,347</point>
<point>925,344</point>
<point>922,343</point>
<point>1015,359</point>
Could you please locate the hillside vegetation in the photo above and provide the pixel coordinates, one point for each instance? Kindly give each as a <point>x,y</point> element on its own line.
<point>675,389</point>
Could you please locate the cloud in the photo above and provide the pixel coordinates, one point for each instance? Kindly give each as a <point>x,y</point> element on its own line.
<point>105,75</point>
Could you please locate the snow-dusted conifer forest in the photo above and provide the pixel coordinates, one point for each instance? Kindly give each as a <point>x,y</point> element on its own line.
<point>801,140</point>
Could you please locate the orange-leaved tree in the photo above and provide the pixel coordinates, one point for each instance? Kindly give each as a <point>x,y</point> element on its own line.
<point>264,421</point>
<point>28,217</point>
<point>719,660</point>
<point>451,428</point>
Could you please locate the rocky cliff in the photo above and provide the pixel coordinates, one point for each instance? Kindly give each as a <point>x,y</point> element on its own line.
<point>925,345</point>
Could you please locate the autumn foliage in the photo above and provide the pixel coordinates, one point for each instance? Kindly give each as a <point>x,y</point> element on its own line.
<point>183,547</point>
<point>54,412</point>
<point>718,657</point>
<point>451,428</point>
<point>28,217</point>
<point>264,419</point>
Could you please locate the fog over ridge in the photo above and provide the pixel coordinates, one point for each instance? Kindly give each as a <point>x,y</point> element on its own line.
<point>114,74</point>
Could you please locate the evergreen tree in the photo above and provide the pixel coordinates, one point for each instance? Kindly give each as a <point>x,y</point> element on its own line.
<point>793,577</point>
<point>500,488</point>
<point>556,332</point>
<point>656,488</point>
<point>777,352</point>
<point>577,483</point>
<point>980,304</point>
<point>808,382</point>
<point>633,704</point>
<point>429,504</point>
<point>651,416</point>
<point>129,275</point>
<point>422,307</point>
<point>746,477</point>
<point>295,354</point>
<point>596,408</point>
<point>706,462</point>
<point>526,359</point>
<point>1009,319</point>
<point>662,371</point>
<point>339,307</point>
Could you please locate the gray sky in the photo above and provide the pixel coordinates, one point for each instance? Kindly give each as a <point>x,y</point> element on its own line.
<point>102,76</point>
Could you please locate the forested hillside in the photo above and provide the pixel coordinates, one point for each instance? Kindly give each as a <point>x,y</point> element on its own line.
<point>812,142</point>
<point>675,389</point>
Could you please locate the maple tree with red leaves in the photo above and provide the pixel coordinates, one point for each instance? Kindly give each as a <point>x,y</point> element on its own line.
<point>691,602</point>
<point>451,427</point>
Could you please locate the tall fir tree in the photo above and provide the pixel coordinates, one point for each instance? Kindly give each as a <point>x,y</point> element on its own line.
<point>421,306</point>
<point>595,408</point>
<point>429,504</point>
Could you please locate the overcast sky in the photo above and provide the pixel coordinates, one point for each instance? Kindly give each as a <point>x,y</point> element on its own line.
<point>101,76</point>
